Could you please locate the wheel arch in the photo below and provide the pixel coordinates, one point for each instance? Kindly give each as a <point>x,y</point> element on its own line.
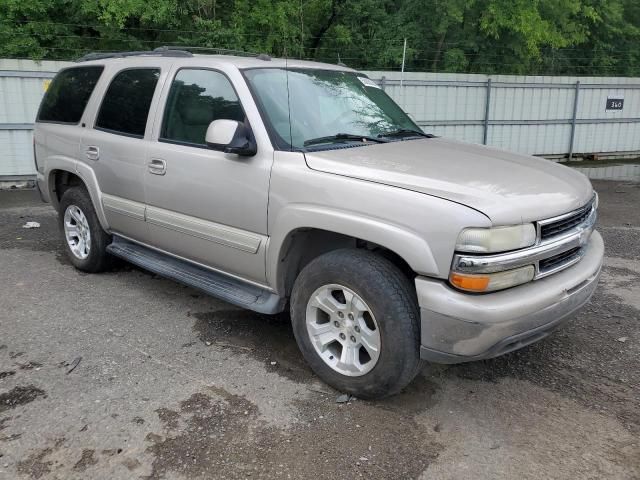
<point>62,176</point>
<point>60,180</point>
<point>306,232</point>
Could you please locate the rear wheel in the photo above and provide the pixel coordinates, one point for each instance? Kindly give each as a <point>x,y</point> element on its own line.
<point>355,318</point>
<point>85,240</point>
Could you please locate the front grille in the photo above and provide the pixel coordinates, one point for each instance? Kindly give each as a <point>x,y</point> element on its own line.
<point>558,260</point>
<point>565,224</point>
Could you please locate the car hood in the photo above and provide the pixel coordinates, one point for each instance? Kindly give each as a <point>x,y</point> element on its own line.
<point>507,187</point>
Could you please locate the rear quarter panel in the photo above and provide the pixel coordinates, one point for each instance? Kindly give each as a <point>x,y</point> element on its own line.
<point>57,147</point>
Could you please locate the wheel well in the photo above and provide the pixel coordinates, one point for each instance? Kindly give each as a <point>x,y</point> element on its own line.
<point>62,180</point>
<point>305,244</point>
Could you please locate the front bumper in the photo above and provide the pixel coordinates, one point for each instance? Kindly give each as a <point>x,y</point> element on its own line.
<point>460,327</point>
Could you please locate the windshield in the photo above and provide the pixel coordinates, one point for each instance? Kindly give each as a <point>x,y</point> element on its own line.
<point>326,107</point>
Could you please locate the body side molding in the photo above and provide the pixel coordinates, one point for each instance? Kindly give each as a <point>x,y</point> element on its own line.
<point>214,232</point>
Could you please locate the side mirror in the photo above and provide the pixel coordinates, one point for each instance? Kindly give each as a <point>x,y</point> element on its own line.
<point>230,136</point>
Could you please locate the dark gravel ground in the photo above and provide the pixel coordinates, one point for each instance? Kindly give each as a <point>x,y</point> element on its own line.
<point>172,384</point>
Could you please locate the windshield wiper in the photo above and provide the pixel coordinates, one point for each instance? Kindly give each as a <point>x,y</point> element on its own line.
<point>405,132</point>
<point>343,136</point>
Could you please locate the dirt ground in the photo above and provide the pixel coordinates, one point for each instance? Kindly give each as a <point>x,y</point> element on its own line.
<point>126,375</point>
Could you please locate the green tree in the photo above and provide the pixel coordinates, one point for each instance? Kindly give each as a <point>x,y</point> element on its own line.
<point>590,37</point>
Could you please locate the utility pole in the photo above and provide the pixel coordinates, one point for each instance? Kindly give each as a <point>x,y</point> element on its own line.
<point>404,56</point>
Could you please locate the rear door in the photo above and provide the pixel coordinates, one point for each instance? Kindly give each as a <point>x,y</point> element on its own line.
<point>115,148</point>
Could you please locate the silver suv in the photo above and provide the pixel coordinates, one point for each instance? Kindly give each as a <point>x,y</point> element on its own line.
<point>276,184</point>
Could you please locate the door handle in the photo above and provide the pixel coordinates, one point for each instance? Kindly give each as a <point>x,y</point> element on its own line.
<point>157,166</point>
<point>93,152</point>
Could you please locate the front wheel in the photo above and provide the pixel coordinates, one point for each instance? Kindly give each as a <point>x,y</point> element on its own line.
<point>355,318</point>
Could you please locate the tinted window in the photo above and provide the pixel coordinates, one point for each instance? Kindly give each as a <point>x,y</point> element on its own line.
<point>196,98</point>
<point>125,106</point>
<point>69,94</point>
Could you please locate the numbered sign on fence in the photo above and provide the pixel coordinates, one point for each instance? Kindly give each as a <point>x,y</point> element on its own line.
<point>614,103</point>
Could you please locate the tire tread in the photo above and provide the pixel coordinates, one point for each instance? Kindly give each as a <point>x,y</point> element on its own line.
<point>381,275</point>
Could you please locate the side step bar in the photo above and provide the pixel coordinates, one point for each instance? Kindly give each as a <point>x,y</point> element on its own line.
<point>213,283</point>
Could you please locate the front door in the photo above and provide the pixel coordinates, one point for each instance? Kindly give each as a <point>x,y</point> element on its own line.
<point>204,205</point>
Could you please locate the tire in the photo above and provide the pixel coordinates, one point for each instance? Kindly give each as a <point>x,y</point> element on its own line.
<point>362,278</point>
<point>94,258</point>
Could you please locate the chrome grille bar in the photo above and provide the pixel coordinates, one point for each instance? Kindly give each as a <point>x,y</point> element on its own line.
<point>552,227</point>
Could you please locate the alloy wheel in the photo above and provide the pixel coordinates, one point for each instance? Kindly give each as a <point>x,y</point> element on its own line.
<point>343,330</point>
<point>77,232</point>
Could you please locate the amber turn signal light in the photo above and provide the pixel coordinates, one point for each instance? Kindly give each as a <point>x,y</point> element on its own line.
<point>491,282</point>
<point>471,283</point>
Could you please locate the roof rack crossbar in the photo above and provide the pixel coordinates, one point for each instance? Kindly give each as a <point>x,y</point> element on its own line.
<point>171,51</point>
<point>217,50</point>
<point>158,52</point>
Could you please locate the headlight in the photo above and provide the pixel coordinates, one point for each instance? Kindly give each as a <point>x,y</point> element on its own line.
<point>490,282</point>
<point>493,240</point>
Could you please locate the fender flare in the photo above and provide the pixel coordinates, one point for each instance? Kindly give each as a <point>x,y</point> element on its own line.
<point>88,177</point>
<point>410,246</point>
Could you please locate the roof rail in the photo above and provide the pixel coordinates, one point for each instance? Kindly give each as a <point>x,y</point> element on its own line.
<point>217,51</point>
<point>158,52</point>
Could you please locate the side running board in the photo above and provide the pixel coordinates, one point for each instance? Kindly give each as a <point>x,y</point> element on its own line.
<point>213,283</point>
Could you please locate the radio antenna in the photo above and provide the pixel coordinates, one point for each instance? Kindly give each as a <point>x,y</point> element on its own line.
<point>286,72</point>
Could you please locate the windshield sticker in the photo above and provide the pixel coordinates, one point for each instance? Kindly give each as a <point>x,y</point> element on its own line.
<point>367,82</point>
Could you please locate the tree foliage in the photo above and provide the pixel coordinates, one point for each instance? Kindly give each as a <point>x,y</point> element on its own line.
<point>588,37</point>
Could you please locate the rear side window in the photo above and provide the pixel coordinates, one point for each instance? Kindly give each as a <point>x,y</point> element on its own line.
<point>196,98</point>
<point>68,94</point>
<point>125,106</point>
